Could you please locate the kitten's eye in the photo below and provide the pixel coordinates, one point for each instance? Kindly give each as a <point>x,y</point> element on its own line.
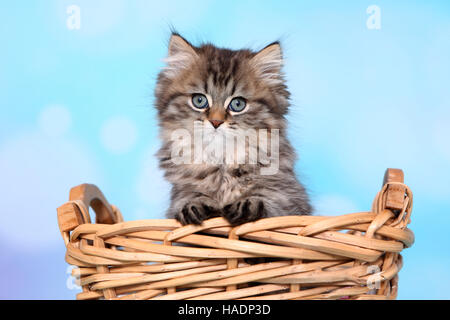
<point>200,101</point>
<point>237,105</point>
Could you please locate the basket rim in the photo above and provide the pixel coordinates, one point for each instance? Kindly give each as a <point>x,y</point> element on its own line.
<point>311,246</point>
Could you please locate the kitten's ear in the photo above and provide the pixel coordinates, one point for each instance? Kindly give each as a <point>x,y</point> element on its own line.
<point>268,62</point>
<point>179,45</point>
<point>180,56</point>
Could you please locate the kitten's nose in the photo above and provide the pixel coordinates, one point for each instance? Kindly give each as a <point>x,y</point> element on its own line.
<point>216,123</point>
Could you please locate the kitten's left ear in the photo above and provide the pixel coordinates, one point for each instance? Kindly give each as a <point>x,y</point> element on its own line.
<point>268,62</point>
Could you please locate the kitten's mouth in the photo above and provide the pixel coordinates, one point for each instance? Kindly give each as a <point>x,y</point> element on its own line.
<point>214,125</point>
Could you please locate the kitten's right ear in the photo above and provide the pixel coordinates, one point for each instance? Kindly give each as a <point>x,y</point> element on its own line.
<point>180,56</point>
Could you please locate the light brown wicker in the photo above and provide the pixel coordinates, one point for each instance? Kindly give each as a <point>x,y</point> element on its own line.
<point>351,256</point>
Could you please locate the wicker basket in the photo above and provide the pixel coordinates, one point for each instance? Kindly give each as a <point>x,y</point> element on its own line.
<point>352,256</point>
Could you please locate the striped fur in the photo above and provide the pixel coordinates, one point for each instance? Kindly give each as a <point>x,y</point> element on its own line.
<point>237,192</point>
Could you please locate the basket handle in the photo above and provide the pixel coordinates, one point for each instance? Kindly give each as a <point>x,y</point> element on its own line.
<point>76,211</point>
<point>395,195</point>
<point>91,196</point>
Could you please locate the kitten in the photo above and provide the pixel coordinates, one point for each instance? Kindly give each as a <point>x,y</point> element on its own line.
<point>225,93</point>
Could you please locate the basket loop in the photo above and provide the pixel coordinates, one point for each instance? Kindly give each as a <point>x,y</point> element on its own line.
<point>117,214</point>
<point>396,197</point>
<point>395,194</point>
<point>91,196</point>
<point>71,215</point>
<point>76,210</point>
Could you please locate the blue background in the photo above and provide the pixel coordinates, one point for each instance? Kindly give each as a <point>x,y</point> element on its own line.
<point>76,106</point>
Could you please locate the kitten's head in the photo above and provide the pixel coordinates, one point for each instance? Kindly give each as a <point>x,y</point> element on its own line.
<point>220,88</point>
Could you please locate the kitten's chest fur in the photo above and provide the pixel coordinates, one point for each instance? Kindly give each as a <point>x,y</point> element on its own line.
<point>222,183</point>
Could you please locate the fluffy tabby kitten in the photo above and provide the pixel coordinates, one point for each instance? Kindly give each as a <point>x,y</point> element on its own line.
<point>225,91</point>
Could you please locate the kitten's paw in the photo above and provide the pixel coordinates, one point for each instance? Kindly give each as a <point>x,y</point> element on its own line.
<point>244,210</point>
<point>195,211</point>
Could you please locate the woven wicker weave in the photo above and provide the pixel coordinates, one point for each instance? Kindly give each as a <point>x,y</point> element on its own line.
<point>351,256</point>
